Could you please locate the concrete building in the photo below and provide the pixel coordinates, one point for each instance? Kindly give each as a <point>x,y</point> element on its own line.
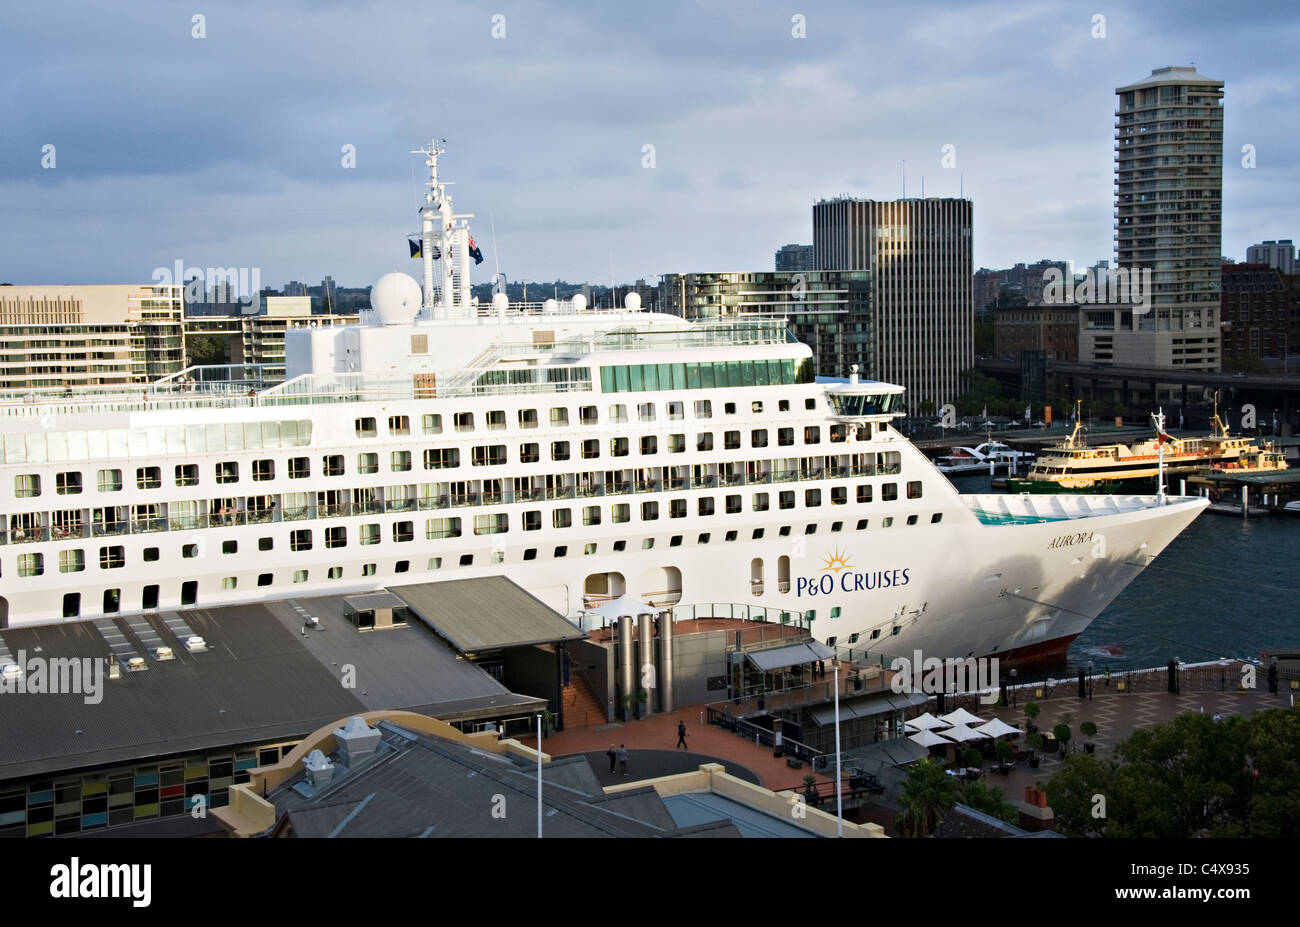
<point>831,312</point>
<point>1054,330</point>
<point>54,337</point>
<point>1261,313</point>
<point>987,285</point>
<point>1168,209</point>
<point>169,708</point>
<point>794,257</point>
<point>1279,255</point>
<point>919,256</point>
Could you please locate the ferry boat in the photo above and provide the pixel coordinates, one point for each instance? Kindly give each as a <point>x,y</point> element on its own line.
<point>583,453</point>
<point>1075,466</point>
<point>977,459</point>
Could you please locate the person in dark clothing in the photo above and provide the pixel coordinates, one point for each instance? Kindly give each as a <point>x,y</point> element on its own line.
<point>681,735</point>
<point>622,758</point>
<point>613,757</point>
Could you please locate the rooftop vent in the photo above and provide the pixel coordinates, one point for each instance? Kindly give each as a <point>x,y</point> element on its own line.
<point>319,769</point>
<point>10,671</point>
<point>356,740</point>
<point>135,663</point>
<point>163,653</point>
<point>195,644</point>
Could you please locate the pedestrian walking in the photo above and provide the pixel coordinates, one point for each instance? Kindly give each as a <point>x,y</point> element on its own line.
<point>681,734</point>
<point>622,758</point>
<point>613,757</point>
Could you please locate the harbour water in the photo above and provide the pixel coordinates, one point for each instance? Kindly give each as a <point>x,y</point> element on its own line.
<point>1225,587</point>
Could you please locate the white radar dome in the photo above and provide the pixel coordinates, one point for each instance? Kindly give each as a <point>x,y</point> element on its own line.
<point>395,299</point>
<point>550,306</point>
<point>632,302</point>
<point>500,302</point>
<point>579,302</point>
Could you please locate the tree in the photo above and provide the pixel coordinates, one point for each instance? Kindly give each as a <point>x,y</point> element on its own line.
<point>1062,732</point>
<point>988,799</point>
<point>1073,794</point>
<point>207,349</point>
<point>1233,777</point>
<point>927,793</point>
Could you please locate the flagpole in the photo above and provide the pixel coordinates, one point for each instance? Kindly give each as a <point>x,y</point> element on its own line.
<point>1160,490</point>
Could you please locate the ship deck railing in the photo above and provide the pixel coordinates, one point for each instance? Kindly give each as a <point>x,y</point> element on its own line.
<point>697,335</point>
<point>309,389</point>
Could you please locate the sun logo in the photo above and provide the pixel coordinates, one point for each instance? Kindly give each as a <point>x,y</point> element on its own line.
<point>837,561</point>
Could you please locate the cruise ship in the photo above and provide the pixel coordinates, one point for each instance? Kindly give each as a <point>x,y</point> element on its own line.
<point>585,454</point>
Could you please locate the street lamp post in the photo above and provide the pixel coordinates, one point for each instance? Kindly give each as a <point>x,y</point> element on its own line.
<point>839,792</point>
<point>1013,687</point>
<point>1089,680</point>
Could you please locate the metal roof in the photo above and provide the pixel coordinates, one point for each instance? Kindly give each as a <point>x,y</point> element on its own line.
<point>423,786</point>
<point>878,703</point>
<point>1170,75</point>
<point>486,613</point>
<point>360,603</point>
<point>789,655</point>
<point>260,680</point>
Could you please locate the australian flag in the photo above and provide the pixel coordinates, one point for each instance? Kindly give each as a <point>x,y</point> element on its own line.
<point>474,252</point>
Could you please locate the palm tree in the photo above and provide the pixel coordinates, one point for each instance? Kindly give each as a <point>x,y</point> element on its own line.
<point>927,792</point>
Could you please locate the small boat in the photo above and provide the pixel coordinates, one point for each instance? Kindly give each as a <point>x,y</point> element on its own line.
<point>977,459</point>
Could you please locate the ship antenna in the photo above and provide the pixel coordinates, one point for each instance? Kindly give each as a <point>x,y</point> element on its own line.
<point>496,258</point>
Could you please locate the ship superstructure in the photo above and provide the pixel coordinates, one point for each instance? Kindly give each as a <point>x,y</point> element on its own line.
<point>585,454</point>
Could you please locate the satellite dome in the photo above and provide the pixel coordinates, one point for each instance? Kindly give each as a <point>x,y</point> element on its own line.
<point>395,298</point>
<point>579,302</point>
<point>632,302</point>
<point>500,302</point>
<point>550,306</point>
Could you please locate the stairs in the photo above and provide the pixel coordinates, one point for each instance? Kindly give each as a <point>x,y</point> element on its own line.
<point>581,706</point>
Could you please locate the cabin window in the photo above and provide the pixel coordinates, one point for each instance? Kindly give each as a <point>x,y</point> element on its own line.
<point>68,484</point>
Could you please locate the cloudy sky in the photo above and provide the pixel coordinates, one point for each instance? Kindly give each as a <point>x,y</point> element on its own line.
<point>226,150</point>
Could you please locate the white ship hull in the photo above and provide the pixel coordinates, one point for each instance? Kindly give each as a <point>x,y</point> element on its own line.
<point>954,587</point>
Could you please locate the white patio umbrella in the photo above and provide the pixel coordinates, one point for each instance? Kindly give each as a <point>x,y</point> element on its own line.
<point>928,739</point>
<point>926,722</point>
<point>961,716</point>
<point>961,734</point>
<point>998,728</point>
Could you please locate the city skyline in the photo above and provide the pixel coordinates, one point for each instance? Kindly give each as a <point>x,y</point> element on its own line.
<point>237,158</point>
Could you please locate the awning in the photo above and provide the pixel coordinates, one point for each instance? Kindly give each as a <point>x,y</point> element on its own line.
<point>789,655</point>
<point>868,706</point>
